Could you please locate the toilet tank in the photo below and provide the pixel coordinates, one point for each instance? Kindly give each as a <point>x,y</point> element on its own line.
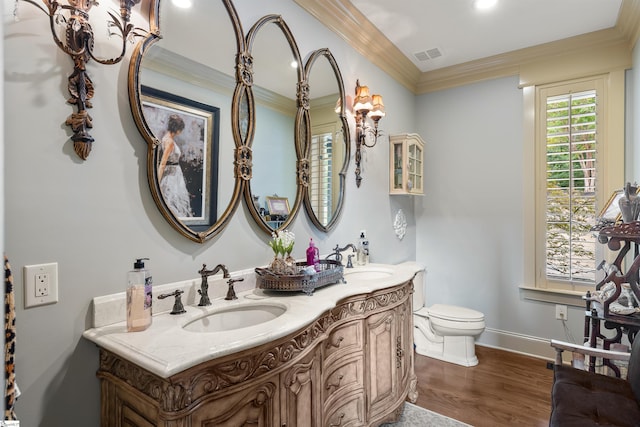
<point>418,285</point>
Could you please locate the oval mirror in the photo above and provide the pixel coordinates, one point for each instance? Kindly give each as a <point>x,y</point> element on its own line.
<point>327,142</point>
<point>181,95</point>
<point>273,195</point>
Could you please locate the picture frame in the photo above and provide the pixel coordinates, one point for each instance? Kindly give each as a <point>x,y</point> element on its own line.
<point>186,178</point>
<point>611,211</point>
<point>278,205</point>
<point>612,207</point>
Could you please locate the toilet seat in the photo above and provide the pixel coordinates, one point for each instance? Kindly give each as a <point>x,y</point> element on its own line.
<point>453,313</point>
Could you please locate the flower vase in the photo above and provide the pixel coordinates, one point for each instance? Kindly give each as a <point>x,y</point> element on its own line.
<point>629,204</point>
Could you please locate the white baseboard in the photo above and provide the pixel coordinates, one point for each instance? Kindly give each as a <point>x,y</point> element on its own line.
<point>517,343</point>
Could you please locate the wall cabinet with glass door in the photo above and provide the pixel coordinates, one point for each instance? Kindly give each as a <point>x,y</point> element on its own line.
<point>406,166</point>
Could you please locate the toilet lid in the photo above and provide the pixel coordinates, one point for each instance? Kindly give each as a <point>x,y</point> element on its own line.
<point>453,312</point>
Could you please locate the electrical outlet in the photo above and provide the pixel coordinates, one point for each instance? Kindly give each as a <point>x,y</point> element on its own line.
<point>40,284</point>
<point>561,312</point>
<point>363,233</point>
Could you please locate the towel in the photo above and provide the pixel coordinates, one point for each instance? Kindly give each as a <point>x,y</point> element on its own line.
<point>11,390</point>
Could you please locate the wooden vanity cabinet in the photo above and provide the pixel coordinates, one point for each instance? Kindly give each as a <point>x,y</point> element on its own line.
<point>389,334</point>
<point>353,366</point>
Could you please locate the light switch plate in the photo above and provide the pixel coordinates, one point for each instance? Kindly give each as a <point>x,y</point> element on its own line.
<point>40,284</point>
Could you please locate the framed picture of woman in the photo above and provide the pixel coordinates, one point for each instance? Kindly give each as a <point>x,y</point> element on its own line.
<point>186,157</point>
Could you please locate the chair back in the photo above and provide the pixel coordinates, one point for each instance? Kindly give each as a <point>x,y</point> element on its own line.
<point>633,373</point>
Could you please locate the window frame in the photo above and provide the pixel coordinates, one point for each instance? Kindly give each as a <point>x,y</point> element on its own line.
<point>610,162</point>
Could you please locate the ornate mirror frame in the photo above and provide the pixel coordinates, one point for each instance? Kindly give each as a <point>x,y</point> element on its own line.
<point>247,91</point>
<point>305,126</point>
<point>197,233</point>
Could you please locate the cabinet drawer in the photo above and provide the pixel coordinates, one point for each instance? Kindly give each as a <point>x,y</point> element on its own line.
<point>344,339</point>
<point>342,377</point>
<point>349,411</point>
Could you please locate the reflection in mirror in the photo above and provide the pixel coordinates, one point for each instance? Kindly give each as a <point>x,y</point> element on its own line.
<point>181,96</point>
<point>327,149</point>
<point>243,119</point>
<point>275,81</point>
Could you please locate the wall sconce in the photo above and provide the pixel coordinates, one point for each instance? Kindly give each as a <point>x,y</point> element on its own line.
<point>365,105</point>
<point>78,43</point>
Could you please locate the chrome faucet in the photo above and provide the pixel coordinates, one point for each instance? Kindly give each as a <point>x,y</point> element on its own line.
<point>204,285</point>
<point>337,253</point>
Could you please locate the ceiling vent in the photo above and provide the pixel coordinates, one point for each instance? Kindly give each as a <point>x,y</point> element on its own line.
<point>426,55</point>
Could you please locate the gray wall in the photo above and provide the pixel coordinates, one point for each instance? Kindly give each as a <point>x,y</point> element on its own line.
<point>470,221</point>
<point>95,217</point>
<point>632,154</point>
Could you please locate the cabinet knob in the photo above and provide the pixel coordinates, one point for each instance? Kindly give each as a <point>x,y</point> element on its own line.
<point>339,421</point>
<point>336,384</point>
<point>335,343</point>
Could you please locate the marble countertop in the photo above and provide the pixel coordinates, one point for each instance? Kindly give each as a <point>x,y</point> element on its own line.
<point>166,348</point>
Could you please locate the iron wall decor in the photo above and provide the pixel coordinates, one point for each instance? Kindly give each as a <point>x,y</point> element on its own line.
<point>79,44</point>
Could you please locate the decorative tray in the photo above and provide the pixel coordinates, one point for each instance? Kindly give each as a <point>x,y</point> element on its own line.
<point>330,273</point>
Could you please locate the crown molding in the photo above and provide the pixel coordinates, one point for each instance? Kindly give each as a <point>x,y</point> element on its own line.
<point>348,22</point>
<point>628,19</point>
<point>344,19</point>
<point>512,63</point>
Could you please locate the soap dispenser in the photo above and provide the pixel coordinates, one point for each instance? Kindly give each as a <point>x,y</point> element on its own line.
<point>139,297</point>
<point>362,255</point>
<point>313,255</point>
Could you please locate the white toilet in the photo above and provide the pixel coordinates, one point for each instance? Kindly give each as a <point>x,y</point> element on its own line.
<point>445,332</point>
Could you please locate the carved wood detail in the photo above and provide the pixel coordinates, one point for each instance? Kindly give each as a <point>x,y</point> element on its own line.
<point>141,379</point>
<point>252,410</point>
<point>195,387</point>
<point>299,376</point>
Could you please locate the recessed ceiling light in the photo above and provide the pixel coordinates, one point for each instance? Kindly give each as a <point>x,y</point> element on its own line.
<point>184,4</point>
<point>484,4</point>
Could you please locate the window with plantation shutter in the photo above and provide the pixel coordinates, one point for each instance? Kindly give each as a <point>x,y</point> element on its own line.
<point>573,160</point>
<point>571,178</point>
<point>320,193</point>
<point>574,166</point>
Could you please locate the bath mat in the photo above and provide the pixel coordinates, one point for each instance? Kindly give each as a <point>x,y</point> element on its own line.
<point>414,416</point>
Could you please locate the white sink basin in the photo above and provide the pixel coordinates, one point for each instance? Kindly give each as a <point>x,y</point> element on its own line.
<point>371,273</point>
<point>240,316</point>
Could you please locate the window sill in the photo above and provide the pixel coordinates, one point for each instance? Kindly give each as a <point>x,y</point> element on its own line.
<point>554,296</point>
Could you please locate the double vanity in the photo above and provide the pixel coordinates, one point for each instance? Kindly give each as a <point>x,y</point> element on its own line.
<point>343,356</point>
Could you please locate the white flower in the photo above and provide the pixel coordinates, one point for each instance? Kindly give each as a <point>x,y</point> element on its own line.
<point>282,242</point>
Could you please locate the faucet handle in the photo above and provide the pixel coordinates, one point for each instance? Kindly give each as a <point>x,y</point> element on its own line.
<point>178,308</point>
<point>231,293</point>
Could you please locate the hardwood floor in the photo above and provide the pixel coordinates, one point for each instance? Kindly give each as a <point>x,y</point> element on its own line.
<point>504,389</point>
